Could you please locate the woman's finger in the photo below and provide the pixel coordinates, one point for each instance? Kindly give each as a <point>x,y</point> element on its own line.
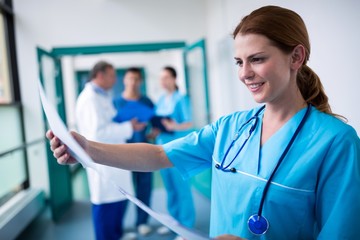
<point>49,134</point>
<point>63,160</point>
<point>54,143</point>
<point>60,151</point>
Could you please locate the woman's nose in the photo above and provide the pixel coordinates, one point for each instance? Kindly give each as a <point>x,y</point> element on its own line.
<point>246,72</point>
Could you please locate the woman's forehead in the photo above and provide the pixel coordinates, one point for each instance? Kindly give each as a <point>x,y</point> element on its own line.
<point>248,44</point>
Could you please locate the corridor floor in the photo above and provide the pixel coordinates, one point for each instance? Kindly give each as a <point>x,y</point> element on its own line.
<point>76,223</point>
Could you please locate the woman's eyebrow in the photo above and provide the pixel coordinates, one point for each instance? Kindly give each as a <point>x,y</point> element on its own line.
<point>250,56</point>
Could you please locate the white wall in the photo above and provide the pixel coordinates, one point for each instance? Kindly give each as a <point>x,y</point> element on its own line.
<point>335,47</point>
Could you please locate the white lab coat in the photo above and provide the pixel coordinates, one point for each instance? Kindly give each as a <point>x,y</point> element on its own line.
<point>94,113</point>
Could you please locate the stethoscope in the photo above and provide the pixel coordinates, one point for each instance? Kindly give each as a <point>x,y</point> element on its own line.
<point>258,224</point>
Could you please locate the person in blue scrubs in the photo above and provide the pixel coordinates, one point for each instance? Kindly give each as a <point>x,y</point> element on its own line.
<point>176,110</point>
<point>291,163</point>
<point>132,104</point>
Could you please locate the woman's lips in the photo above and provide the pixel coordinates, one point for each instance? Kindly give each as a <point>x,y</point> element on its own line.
<point>254,86</point>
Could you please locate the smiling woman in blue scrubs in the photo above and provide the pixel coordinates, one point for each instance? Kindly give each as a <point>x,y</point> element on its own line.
<point>287,170</point>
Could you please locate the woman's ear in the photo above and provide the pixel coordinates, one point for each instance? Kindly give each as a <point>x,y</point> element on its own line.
<point>297,57</point>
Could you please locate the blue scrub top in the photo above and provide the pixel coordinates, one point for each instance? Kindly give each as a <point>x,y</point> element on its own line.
<point>141,109</point>
<point>315,193</point>
<point>178,108</point>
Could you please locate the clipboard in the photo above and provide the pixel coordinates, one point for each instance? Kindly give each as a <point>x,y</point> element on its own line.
<point>156,123</point>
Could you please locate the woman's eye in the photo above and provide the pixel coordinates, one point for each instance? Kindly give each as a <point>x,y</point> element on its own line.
<point>238,62</point>
<point>257,60</point>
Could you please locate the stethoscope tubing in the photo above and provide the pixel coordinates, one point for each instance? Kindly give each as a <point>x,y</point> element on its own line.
<point>237,135</point>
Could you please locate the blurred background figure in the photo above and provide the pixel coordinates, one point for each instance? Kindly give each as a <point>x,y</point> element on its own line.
<point>176,110</point>
<point>134,105</point>
<point>94,114</point>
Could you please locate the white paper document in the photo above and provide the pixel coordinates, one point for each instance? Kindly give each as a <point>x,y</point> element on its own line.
<point>60,130</point>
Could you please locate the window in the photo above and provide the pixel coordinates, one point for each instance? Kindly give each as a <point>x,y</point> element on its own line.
<point>12,157</point>
<point>13,162</point>
<point>5,83</point>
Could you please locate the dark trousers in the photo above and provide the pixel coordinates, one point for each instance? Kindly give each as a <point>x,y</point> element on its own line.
<point>143,186</point>
<point>108,220</point>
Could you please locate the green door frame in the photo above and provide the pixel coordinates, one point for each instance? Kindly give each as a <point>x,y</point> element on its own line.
<point>202,181</point>
<point>59,176</point>
<point>141,47</point>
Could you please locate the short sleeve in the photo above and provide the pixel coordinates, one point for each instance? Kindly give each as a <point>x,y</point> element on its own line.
<point>338,194</point>
<point>192,153</point>
<point>182,111</point>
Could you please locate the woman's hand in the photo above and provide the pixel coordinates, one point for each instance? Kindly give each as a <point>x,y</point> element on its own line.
<point>153,134</point>
<point>60,150</point>
<point>137,126</point>
<point>169,124</point>
<point>229,237</point>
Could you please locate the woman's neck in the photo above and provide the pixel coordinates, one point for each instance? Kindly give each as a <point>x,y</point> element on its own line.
<point>277,114</point>
<point>282,113</point>
<point>170,92</point>
<point>285,107</point>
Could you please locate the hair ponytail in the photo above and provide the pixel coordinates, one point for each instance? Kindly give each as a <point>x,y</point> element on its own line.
<point>313,92</point>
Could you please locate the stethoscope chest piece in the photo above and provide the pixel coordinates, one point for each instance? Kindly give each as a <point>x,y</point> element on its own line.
<point>258,225</point>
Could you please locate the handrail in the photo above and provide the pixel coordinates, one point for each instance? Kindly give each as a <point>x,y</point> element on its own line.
<point>23,146</point>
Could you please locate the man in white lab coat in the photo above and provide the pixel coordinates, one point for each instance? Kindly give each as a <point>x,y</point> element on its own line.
<point>94,114</point>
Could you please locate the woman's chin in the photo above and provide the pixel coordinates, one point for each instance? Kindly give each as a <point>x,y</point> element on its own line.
<point>259,100</point>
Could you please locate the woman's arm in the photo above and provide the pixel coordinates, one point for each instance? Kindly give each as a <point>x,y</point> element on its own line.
<point>182,116</point>
<point>171,125</point>
<point>338,195</point>
<point>142,157</point>
<point>135,157</point>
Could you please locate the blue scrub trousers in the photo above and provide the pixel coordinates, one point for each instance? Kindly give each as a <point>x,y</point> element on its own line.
<point>179,197</point>
<point>108,220</point>
<point>143,186</point>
